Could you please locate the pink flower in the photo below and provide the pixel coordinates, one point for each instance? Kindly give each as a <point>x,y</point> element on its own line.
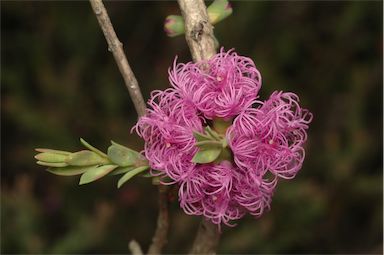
<point>271,137</point>
<point>266,141</point>
<point>228,85</point>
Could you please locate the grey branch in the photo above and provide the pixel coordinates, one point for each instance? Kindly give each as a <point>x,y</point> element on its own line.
<point>200,39</point>
<point>116,47</point>
<point>198,30</point>
<point>160,237</point>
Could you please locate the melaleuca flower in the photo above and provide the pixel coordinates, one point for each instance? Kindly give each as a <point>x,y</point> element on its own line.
<point>271,137</point>
<point>228,85</point>
<point>212,107</point>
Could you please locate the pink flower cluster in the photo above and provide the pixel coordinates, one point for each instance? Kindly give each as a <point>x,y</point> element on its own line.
<point>266,138</point>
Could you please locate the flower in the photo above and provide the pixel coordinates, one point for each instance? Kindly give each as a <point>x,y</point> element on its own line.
<point>265,139</point>
<point>229,85</point>
<point>271,137</point>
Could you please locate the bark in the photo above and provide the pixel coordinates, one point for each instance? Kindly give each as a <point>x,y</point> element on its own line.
<point>116,47</point>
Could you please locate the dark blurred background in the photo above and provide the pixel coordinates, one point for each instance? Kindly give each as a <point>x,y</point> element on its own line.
<point>59,83</point>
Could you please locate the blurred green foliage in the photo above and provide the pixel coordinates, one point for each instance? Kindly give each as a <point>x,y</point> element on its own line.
<point>59,83</point>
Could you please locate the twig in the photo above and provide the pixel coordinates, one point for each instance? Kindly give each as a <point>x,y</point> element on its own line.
<point>135,248</point>
<point>160,237</point>
<point>200,39</point>
<point>116,47</point>
<point>207,238</point>
<point>198,30</point>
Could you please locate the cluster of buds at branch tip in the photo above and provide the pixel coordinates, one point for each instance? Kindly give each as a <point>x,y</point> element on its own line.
<point>217,11</point>
<point>94,164</point>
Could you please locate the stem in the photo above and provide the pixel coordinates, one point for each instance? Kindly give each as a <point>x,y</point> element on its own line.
<point>200,39</point>
<point>207,239</point>
<point>198,30</point>
<point>135,248</point>
<point>160,237</point>
<point>116,47</point>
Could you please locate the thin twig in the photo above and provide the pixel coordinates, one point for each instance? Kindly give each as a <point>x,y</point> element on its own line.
<point>160,237</point>
<point>200,39</point>
<point>135,248</point>
<point>116,47</point>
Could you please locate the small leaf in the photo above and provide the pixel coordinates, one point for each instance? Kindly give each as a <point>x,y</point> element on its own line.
<point>123,156</point>
<point>130,174</point>
<point>90,147</point>
<point>213,133</point>
<point>52,151</point>
<point>208,144</point>
<point>85,158</point>
<point>147,175</point>
<point>122,170</point>
<point>69,170</point>
<point>95,173</point>
<point>207,155</point>
<point>60,164</point>
<point>51,157</point>
<point>200,137</point>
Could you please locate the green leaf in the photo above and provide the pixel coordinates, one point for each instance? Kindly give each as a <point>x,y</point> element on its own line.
<point>213,133</point>
<point>60,164</point>
<point>52,151</point>
<point>95,173</point>
<point>210,143</point>
<point>85,158</point>
<point>130,174</point>
<point>147,175</point>
<point>90,147</point>
<point>206,155</point>
<point>200,137</point>
<point>123,156</point>
<point>122,170</point>
<point>69,170</point>
<point>51,157</point>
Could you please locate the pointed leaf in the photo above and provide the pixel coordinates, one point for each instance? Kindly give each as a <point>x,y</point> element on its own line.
<point>200,137</point>
<point>123,156</point>
<point>85,158</point>
<point>52,151</point>
<point>95,173</point>
<point>60,164</point>
<point>212,133</point>
<point>51,157</point>
<point>147,175</point>
<point>69,170</point>
<point>208,144</point>
<point>90,147</point>
<point>206,155</point>
<point>122,170</point>
<point>130,174</point>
